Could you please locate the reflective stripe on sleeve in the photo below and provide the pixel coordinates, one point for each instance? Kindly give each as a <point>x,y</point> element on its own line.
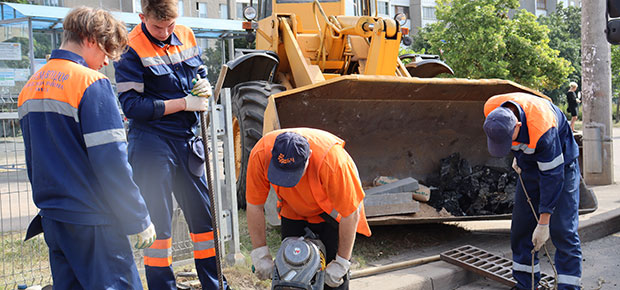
<point>568,279</point>
<point>334,214</point>
<point>126,86</point>
<point>170,59</point>
<point>544,166</point>
<point>524,148</point>
<point>48,106</point>
<point>525,268</point>
<point>105,137</point>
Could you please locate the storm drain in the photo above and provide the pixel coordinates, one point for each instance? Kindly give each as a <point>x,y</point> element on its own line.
<point>488,265</point>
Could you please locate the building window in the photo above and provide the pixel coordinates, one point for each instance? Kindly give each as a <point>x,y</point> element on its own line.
<point>50,2</point>
<point>180,8</point>
<point>137,6</point>
<point>202,9</point>
<point>541,4</point>
<point>383,8</point>
<point>401,9</point>
<point>428,13</point>
<point>240,7</point>
<point>223,11</point>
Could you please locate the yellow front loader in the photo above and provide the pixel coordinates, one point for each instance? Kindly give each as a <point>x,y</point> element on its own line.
<point>315,66</point>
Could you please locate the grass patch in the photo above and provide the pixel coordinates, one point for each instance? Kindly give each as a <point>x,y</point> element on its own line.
<point>23,262</point>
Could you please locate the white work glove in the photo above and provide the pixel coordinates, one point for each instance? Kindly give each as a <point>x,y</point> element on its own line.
<point>194,103</point>
<point>262,262</point>
<point>515,166</point>
<point>143,239</point>
<point>540,236</point>
<point>202,88</point>
<point>335,271</point>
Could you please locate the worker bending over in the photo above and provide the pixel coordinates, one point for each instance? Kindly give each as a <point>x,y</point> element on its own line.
<point>316,182</point>
<point>546,159</point>
<point>155,81</point>
<point>77,162</point>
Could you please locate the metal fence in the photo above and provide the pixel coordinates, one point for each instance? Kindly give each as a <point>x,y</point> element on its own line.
<point>27,262</point>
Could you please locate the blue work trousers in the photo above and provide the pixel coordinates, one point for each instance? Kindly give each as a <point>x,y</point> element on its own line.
<point>562,227</point>
<point>90,257</point>
<point>160,167</point>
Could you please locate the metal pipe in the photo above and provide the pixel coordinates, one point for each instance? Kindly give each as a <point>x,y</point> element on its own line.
<point>393,267</point>
<point>31,45</point>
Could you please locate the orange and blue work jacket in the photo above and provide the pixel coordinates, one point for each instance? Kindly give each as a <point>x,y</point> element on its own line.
<point>331,183</point>
<point>545,144</point>
<point>75,147</point>
<point>151,72</point>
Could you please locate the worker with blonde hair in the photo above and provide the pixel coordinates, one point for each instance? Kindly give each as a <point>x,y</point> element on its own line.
<point>77,162</point>
<point>573,104</point>
<point>162,88</point>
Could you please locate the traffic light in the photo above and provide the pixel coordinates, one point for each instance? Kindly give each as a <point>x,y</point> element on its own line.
<point>613,24</point>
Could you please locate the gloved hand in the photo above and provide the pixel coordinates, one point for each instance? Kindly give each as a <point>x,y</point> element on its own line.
<point>143,239</point>
<point>263,262</point>
<point>202,88</point>
<point>540,236</point>
<point>335,271</point>
<point>515,166</point>
<point>194,103</point>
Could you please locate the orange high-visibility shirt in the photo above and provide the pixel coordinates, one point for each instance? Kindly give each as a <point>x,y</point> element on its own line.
<point>337,174</point>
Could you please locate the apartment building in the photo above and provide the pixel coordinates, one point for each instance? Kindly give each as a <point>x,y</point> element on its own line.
<point>423,11</point>
<point>187,8</point>
<point>419,12</point>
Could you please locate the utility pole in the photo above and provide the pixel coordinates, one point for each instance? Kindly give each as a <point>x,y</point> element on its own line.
<point>231,5</point>
<point>596,95</point>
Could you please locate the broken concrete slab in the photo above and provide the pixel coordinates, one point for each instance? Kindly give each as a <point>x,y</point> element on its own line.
<point>408,184</point>
<point>390,203</point>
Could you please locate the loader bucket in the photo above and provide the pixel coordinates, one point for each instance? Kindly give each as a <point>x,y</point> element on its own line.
<point>396,126</point>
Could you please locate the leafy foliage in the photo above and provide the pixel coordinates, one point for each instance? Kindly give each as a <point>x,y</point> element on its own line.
<point>565,36</point>
<point>615,78</point>
<point>212,56</point>
<point>478,40</point>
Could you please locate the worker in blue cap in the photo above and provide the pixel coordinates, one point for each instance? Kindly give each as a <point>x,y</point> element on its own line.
<point>541,140</point>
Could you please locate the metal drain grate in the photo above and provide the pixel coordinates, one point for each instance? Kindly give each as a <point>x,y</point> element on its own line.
<point>488,265</point>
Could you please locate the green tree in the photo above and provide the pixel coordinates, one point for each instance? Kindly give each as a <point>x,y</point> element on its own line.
<point>212,58</point>
<point>565,36</point>
<point>478,40</point>
<point>615,78</point>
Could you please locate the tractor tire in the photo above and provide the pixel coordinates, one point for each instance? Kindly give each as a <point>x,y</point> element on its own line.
<point>249,102</point>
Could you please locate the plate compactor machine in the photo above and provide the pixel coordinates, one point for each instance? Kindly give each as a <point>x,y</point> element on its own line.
<point>299,264</point>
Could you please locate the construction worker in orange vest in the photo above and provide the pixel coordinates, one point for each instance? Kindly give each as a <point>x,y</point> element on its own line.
<point>76,154</point>
<point>316,182</point>
<point>162,88</point>
<point>545,151</point>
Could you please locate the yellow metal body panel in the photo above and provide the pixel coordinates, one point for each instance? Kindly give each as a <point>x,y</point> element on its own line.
<point>303,11</point>
<point>303,72</point>
<point>382,55</point>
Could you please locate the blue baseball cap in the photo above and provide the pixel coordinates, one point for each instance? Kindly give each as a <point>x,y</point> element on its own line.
<point>499,127</point>
<point>288,159</point>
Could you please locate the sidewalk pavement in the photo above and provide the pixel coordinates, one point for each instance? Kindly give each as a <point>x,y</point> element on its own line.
<point>444,276</point>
